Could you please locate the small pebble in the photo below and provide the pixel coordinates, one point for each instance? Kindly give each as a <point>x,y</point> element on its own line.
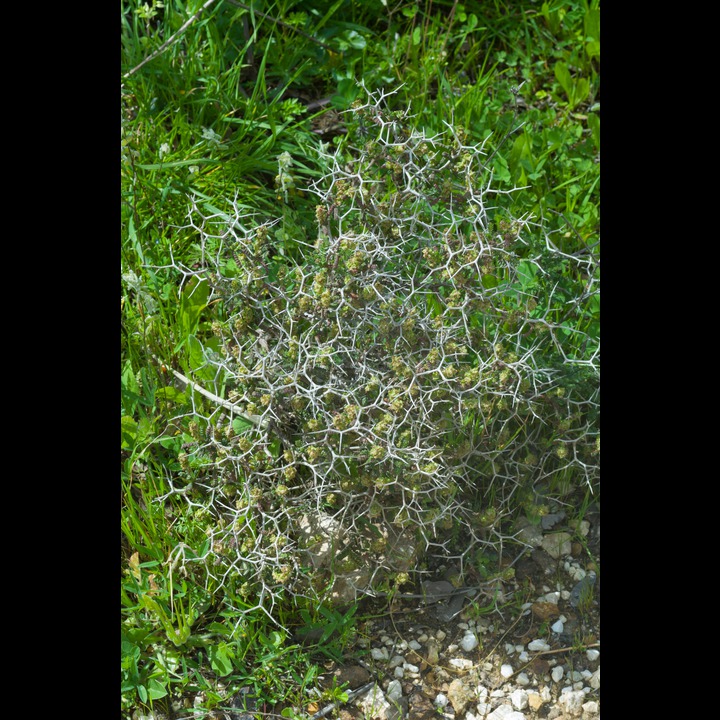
<point>538,646</point>
<point>577,573</point>
<point>557,673</point>
<point>506,670</point>
<point>592,655</point>
<point>519,699</point>
<point>469,642</point>
<point>440,700</point>
<point>582,592</point>
<point>461,663</point>
<point>394,690</point>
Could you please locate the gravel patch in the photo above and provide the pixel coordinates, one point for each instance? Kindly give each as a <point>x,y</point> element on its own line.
<point>540,664</point>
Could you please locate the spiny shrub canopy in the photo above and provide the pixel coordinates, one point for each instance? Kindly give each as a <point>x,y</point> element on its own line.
<point>428,362</point>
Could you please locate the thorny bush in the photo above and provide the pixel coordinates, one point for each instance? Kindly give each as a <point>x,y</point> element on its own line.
<point>429,367</point>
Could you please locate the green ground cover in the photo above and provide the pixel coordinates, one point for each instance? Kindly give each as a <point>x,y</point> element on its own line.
<point>232,115</point>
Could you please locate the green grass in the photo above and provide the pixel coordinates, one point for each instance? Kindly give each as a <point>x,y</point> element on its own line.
<point>208,118</point>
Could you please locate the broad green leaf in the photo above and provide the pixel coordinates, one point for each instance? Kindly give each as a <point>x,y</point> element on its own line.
<point>171,443</point>
<point>241,425</point>
<point>500,169</point>
<point>192,302</point>
<point>129,388</point>
<point>553,16</point>
<point>178,636</point>
<point>348,90</point>
<point>580,91</point>
<point>593,122</point>
<point>527,272</point>
<point>275,447</point>
<point>229,269</point>
<point>354,39</point>
<point>129,684</point>
<point>132,236</point>
<point>219,629</point>
<point>171,393</point>
<point>434,305</point>
<point>520,159</point>
<point>564,78</point>
<point>195,353</point>
<point>128,432</point>
<point>592,33</point>
<point>156,689</point>
<point>221,659</point>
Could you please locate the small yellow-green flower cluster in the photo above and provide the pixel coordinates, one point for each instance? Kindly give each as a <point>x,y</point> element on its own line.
<point>313,453</point>
<point>346,418</point>
<point>377,452</point>
<point>470,377</point>
<point>282,574</point>
<point>244,319</point>
<point>357,263</point>
<point>450,371</point>
<point>321,214</point>
<point>399,367</point>
<point>395,402</point>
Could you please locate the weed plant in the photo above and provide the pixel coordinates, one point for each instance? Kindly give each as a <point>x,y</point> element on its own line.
<point>388,338</point>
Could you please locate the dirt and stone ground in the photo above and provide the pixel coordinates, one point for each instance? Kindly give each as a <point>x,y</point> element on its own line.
<point>537,655</point>
<point>525,649</point>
